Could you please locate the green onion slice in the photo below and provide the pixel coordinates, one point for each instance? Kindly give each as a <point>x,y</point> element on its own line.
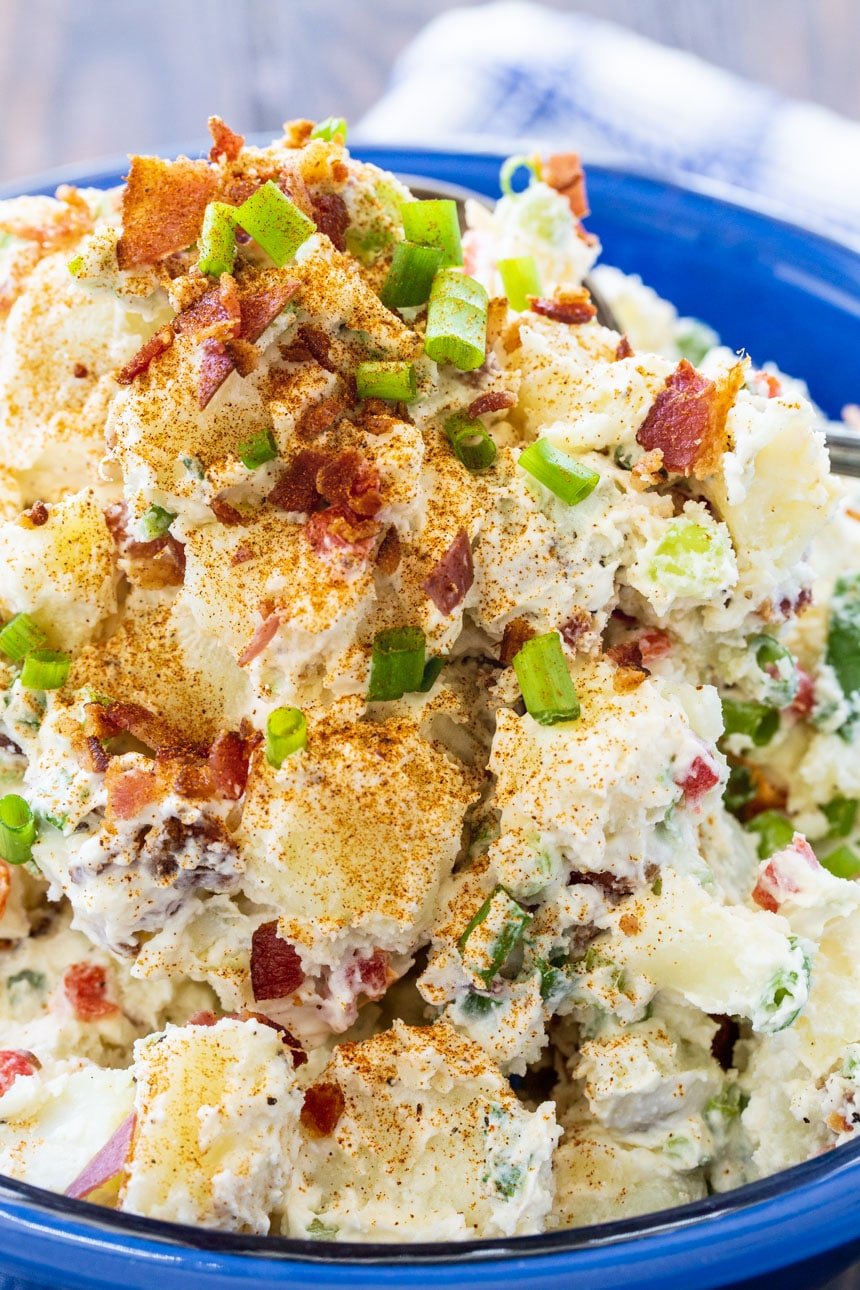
<point>156,521</point>
<point>395,381</point>
<point>557,471</point>
<point>411,275</point>
<point>434,223</point>
<point>456,330</point>
<point>286,733</point>
<point>45,669</point>
<point>396,664</point>
<point>545,682</point>
<point>844,862</point>
<point>755,720</point>
<point>775,831</point>
<point>510,168</point>
<point>471,441</point>
<point>17,829</point>
<point>740,789</point>
<point>19,636</point>
<point>520,279</point>
<point>255,452</point>
<point>841,815</point>
<point>491,935</point>
<point>432,671</point>
<point>333,128</point>
<point>216,248</point>
<point>274,222</point>
<point>843,633</point>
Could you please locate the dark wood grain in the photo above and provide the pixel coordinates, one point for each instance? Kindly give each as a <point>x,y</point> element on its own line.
<point>88,78</point>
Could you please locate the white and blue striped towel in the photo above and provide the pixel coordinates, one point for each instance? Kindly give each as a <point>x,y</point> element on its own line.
<point>521,72</point>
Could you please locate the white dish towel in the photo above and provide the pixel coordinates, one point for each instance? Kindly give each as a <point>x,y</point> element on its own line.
<point>521,72</point>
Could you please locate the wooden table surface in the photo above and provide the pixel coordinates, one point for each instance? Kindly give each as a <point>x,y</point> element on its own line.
<point>88,78</point>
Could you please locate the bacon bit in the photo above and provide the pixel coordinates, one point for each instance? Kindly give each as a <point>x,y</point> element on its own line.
<point>723,1043</point>
<point>376,417</point>
<point>216,313</point>
<point>81,371</point>
<point>320,417</point>
<point>129,791</point>
<point>324,1104</point>
<point>37,514</point>
<point>215,366</point>
<point>229,758</point>
<point>133,718</point>
<point>623,349</point>
<point>91,756</point>
<point>775,881</point>
<point>798,605</point>
<point>15,1062</point>
<point>648,471</point>
<point>389,553</point>
<point>338,533</point>
<point>225,513</point>
<point>310,345</point>
<point>260,308</point>
<point>563,172</point>
<point>85,985</point>
<point>767,384</point>
<point>701,776</point>
<point>331,217</point>
<point>202,1018</point>
<point>297,132</point>
<point>276,969</point>
<point>627,654</point>
<point>242,555</point>
<point>106,1164</point>
<point>225,142</point>
<point>447,584</point>
<point>687,420</point>
<point>370,976</point>
<point>347,479</point>
<point>154,348</point>
<point>245,356</point>
<point>5,886</point>
<point>629,924</point>
<point>162,207</point>
<point>576,627</point>
<point>570,307</point>
<point>263,636</point>
<point>491,401</point>
<point>804,701</point>
<point>625,679</point>
<point>654,644</point>
<point>514,637</point>
<point>613,888</point>
<point>296,487</point>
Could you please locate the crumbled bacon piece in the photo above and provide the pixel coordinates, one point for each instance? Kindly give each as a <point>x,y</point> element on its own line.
<point>331,217</point>
<point>260,308</point>
<point>92,756</point>
<point>776,881</point>
<point>320,417</point>
<point>804,700</point>
<point>276,969</point>
<point>154,347</point>
<point>563,172</point>
<point>570,307</point>
<point>263,636</point>
<point>225,142</point>
<point>340,534</point>
<point>724,1040</point>
<point>370,976</point>
<point>202,1018</point>
<point>687,420</point>
<point>85,985</point>
<point>514,637</point>
<point>447,583</point>
<point>701,776</point>
<point>653,644</point>
<point>129,791</point>
<point>296,487</point>
<point>217,313</point>
<point>216,365</point>
<point>37,514</point>
<point>490,401</point>
<point>229,758</point>
<point>225,513</point>
<point>80,371</point>
<point>625,679</point>
<point>389,553</point>
<point>136,720</point>
<point>347,479</point>
<point>623,349</point>
<point>163,204</point>
<point>288,1039</point>
<point>14,1062</point>
<point>324,1104</point>
<point>242,554</point>
<point>627,654</point>
<point>575,628</point>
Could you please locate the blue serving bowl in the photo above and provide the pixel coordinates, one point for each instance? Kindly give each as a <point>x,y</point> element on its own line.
<point>784,293</point>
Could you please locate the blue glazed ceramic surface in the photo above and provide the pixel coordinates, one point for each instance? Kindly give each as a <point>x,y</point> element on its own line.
<point>785,294</point>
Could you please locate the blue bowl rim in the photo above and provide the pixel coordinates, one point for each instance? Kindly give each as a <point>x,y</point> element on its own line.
<point>809,1176</point>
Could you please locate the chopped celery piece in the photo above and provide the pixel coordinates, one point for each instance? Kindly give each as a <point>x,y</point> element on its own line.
<point>492,934</point>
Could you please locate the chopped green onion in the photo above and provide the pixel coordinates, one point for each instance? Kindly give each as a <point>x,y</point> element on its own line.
<point>19,636</point>
<point>286,733</point>
<point>274,222</point>
<point>471,441</point>
<point>545,682</point>
<point>411,275</point>
<point>844,862</point>
<point>45,669</point>
<point>432,671</point>
<point>395,381</point>
<point>479,1005</point>
<point>775,831</point>
<point>755,720</point>
<point>560,473</point>
<point>396,664</point>
<point>510,168</point>
<point>843,633</point>
<point>520,280</point>
<point>841,815</point>
<point>17,829</point>
<point>769,651</point>
<point>456,330</point>
<point>333,129</point>
<point>216,247</point>
<point>740,789</point>
<point>778,663</point>
<point>255,452</point>
<point>156,521</point>
<point>491,935</point>
<point>434,223</point>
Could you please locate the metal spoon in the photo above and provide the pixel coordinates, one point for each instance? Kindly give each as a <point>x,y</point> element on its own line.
<point>428,188</point>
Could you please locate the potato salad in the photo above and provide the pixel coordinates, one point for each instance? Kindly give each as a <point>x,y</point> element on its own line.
<point>430,721</point>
